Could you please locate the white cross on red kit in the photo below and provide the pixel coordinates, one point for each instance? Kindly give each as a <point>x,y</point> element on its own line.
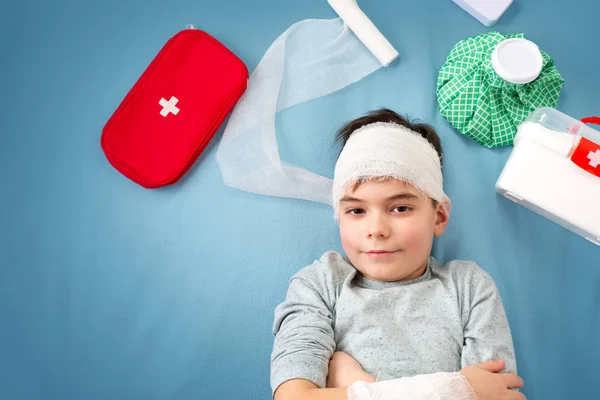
<point>594,158</point>
<point>587,156</point>
<point>169,106</point>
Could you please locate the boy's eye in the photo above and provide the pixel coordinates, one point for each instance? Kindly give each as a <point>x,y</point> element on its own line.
<point>402,209</point>
<point>354,211</point>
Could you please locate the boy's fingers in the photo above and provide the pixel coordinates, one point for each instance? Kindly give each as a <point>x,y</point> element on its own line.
<point>512,381</point>
<point>492,366</point>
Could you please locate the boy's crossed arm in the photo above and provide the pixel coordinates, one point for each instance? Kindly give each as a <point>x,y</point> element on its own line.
<point>305,341</point>
<point>486,331</point>
<point>301,389</point>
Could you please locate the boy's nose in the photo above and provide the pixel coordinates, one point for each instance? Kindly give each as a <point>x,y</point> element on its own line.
<point>378,227</point>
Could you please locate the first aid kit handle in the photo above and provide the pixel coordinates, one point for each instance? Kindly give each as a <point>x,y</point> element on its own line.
<point>591,120</point>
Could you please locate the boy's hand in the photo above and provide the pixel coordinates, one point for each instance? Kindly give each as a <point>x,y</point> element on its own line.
<point>489,384</point>
<point>345,370</point>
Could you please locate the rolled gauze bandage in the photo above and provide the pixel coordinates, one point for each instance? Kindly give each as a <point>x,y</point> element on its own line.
<point>365,30</point>
<point>385,149</point>
<point>441,385</point>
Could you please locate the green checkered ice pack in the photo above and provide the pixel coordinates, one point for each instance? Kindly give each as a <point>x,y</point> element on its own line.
<point>476,101</point>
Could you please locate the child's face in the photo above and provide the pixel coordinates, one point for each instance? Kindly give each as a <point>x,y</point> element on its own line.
<point>392,216</point>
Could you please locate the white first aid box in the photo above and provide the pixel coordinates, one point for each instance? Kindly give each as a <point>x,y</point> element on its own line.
<point>554,170</point>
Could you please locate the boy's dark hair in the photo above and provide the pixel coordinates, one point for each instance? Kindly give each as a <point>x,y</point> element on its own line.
<point>387,115</point>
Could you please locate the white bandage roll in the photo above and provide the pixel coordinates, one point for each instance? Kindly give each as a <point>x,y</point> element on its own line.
<point>365,30</point>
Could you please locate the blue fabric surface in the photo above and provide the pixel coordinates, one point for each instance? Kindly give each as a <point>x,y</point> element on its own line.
<point>112,291</point>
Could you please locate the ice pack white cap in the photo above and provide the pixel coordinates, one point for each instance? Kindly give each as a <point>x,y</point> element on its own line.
<point>517,60</point>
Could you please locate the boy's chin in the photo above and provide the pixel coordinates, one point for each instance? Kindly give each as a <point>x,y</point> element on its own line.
<point>384,272</point>
<point>380,272</point>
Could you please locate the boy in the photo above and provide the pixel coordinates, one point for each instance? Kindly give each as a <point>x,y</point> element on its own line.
<point>389,309</point>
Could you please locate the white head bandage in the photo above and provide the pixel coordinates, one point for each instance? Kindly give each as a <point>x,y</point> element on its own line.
<point>385,149</point>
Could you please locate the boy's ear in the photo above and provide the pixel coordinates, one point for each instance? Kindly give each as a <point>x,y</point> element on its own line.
<point>441,220</point>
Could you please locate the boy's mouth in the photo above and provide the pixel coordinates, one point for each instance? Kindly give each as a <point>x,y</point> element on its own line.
<point>380,253</point>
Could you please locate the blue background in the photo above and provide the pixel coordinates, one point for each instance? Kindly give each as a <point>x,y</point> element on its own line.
<point>112,291</point>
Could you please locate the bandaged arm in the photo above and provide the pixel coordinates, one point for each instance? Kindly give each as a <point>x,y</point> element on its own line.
<point>441,385</point>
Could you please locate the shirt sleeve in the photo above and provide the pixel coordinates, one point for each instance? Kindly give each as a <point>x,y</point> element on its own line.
<point>303,328</point>
<point>486,333</point>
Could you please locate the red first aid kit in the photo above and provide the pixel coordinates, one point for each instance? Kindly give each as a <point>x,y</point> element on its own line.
<point>174,109</point>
